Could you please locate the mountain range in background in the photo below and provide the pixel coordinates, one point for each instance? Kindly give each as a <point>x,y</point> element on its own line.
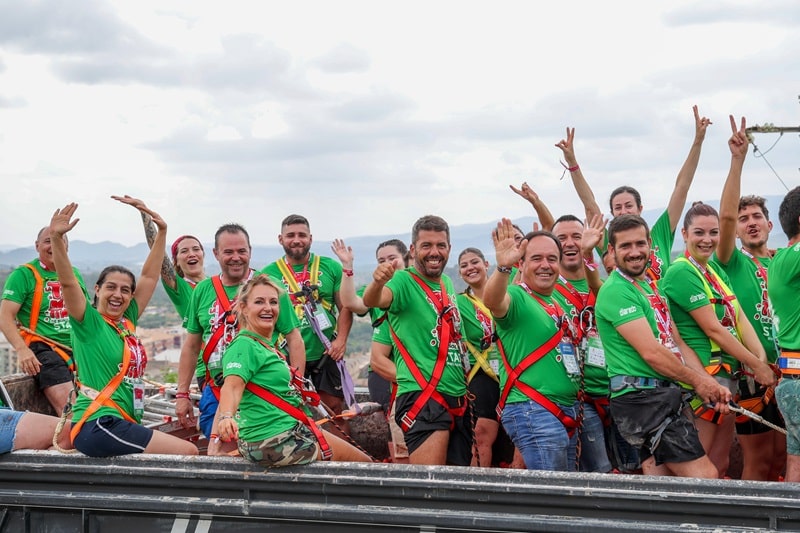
<point>94,256</point>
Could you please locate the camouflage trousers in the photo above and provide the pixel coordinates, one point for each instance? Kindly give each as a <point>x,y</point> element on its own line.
<point>297,446</point>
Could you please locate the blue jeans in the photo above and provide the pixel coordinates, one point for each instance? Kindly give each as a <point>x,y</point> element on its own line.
<point>540,437</point>
<point>208,410</point>
<point>594,456</point>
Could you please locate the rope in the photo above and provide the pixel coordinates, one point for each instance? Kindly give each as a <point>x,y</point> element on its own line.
<point>758,418</point>
<point>332,419</point>
<point>62,422</point>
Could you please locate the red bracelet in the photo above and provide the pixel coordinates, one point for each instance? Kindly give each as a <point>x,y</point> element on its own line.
<point>573,169</point>
<point>347,272</point>
<point>181,395</point>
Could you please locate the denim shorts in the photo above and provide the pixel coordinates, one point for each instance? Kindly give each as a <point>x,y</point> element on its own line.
<point>8,428</point>
<point>540,437</point>
<point>208,410</point>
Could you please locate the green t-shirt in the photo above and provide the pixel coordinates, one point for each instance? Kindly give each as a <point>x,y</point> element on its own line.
<point>784,288</point>
<point>53,322</point>
<point>478,325</point>
<point>330,279</point>
<point>248,359</point>
<point>98,350</point>
<point>181,297</point>
<point>413,318</point>
<point>620,302</point>
<point>525,327</point>
<point>594,370</point>
<point>205,311</point>
<point>750,285</point>
<point>685,291</point>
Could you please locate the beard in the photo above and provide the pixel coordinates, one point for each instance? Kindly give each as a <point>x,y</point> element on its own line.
<point>633,272</point>
<point>298,253</point>
<point>430,271</point>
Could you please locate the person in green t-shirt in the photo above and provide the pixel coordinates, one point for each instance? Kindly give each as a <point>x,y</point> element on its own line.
<point>784,286</point>
<point>313,283</point>
<point>180,273</point>
<point>646,358</point>
<point>110,359</point>
<point>710,320</point>
<point>34,320</point>
<point>211,324</point>
<point>393,251</point>
<point>262,404</point>
<point>763,448</point>
<point>627,200</point>
<point>425,326</point>
<point>484,359</point>
<point>540,374</point>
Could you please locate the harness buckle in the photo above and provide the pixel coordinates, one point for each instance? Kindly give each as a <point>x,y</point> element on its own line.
<point>407,422</point>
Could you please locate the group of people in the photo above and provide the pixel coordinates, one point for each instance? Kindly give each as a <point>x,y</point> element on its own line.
<point>637,372</point>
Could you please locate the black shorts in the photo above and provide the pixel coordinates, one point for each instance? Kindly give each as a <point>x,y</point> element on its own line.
<point>487,394</point>
<point>770,412</point>
<point>54,369</point>
<point>641,415</point>
<point>324,374</point>
<point>434,417</point>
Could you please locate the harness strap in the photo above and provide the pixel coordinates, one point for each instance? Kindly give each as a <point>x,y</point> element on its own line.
<point>601,406</point>
<point>513,381</point>
<point>29,334</point>
<point>482,360</point>
<point>789,362</point>
<point>103,398</point>
<point>296,413</point>
<point>296,291</point>
<point>228,318</point>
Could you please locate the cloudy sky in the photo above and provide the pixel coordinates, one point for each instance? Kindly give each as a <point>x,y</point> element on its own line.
<point>365,115</point>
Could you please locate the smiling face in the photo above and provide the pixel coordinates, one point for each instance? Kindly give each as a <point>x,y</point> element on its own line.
<point>702,237</point>
<point>431,252</point>
<point>296,241</point>
<point>44,247</point>
<point>752,227</point>
<point>624,203</point>
<point>473,269</point>
<point>114,294</point>
<point>233,254</point>
<point>190,259</point>
<point>570,233</point>
<point>631,251</point>
<point>259,311</point>
<point>541,264</point>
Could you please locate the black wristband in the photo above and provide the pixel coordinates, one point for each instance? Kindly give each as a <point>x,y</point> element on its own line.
<point>504,270</point>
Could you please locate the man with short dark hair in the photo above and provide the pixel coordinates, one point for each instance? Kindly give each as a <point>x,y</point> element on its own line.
<point>34,320</point>
<point>539,377</point>
<point>425,326</point>
<point>763,449</point>
<point>784,286</point>
<point>313,283</point>
<point>646,359</point>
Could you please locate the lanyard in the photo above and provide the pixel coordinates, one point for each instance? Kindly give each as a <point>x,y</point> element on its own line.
<point>303,275</point>
<point>729,318</point>
<point>555,312</point>
<point>663,318</point>
<point>762,275</point>
<point>483,315</point>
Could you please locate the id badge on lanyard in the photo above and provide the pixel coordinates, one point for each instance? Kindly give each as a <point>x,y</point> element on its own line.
<point>322,318</point>
<point>138,398</point>
<point>569,356</point>
<point>669,344</point>
<point>595,354</point>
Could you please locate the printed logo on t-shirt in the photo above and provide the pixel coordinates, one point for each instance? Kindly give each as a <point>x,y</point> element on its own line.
<point>697,298</point>
<point>628,310</point>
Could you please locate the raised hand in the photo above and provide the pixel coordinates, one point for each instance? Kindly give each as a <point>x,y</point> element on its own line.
<point>142,207</point>
<point>738,141</point>
<point>526,192</point>
<point>700,125</point>
<point>568,148</point>
<point>593,231</point>
<point>383,273</point>
<point>343,252</point>
<point>61,222</point>
<point>505,247</point>
<point>130,200</point>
